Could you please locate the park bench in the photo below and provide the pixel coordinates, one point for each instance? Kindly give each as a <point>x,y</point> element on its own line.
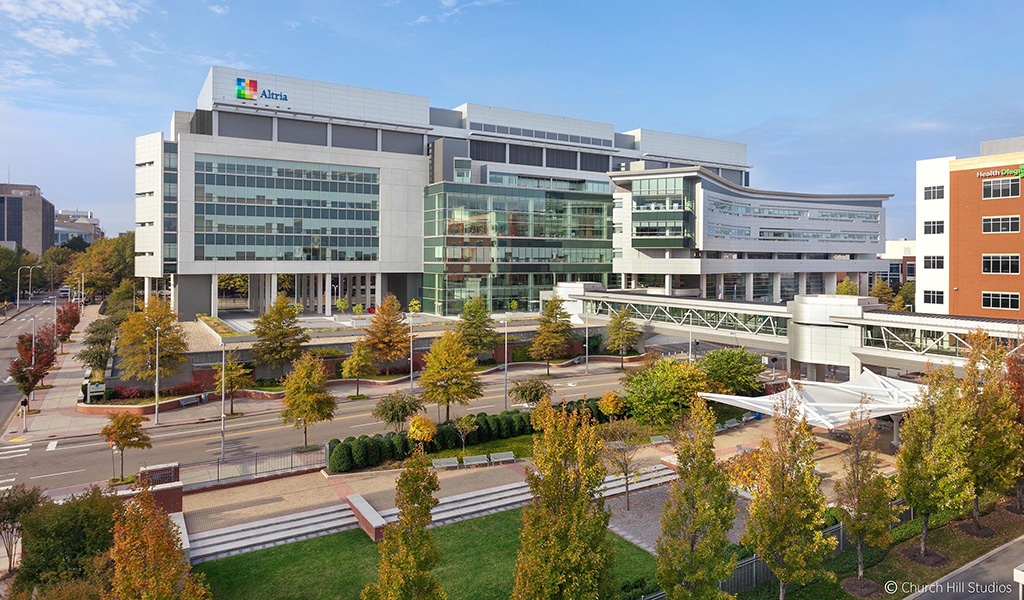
<point>740,449</point>
<point>732,423</point>
<point>659,439</point>
<point>615,446</point>
<point>445,463</point>
<point>719,428</point>
<point>748,416</point>
<point>500,457</point>
<point>188,400</point>
<point>476,460</point>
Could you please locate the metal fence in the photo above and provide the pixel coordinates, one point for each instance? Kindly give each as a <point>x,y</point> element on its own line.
<point>251,465</point>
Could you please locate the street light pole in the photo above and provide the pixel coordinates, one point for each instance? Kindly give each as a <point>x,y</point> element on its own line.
<point>689,350</point>
<point>156,385</point>
<point>410,350</point>
<point>507,319</point>
<point>223,393</point>
<point>32,394</point>
<point>586,339</point>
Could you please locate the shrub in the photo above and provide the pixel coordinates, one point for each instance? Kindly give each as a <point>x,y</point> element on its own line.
<point>833,515</point>
<point>521,354</point>
<point>372,452</point>
<point>525,424</point>
<point>359,453</point>
<point>387,449</point>
<point>638,588</point>
<point>494,426</point>
<point>189,388</point>
<point>483,432</point>
<point>350,439</point>
<point>449,437</point>
<point>341,459</point>
<point>109,395</point>
<point>505,423</point>
<point>124,392</point>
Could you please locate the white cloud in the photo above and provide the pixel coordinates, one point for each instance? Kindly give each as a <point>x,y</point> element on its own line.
<point>447,3</point>
<point>452,8</point>
<point>421,19</point>
<point>218,9</point>
<point>222,60</point>
<point>54,41</point>
<point>291,24</point>
<point>90,13</point>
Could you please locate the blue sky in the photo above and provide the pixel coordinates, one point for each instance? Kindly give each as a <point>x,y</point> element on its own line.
<point>828,97</point>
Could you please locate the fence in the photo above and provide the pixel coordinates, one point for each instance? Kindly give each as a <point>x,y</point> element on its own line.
<point>249,466</point>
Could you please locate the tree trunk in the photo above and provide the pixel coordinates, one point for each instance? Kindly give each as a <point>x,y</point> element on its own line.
<point>975,515</point>
<point>357,386</point>
<point>924,533</point>
<point>782,590</point>
<point>447,412</point>
<point>627,491</point>
<point>622,360</point>
<point>549,368</point>
<point>231,398</point>
<point>1020,495</point>
<point>304,442</point>
<point>121,450</point>
<point>860,560</point>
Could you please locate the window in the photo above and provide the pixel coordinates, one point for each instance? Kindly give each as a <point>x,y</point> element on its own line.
<point>486,151</point>
<point>934,192</point>
<point>935,262</point>
<point>932,227</point>
<point>1001,300</point>
<point>1001,263</point>
<point>1000,225</point>
<point>1000,188</point>
<point>933,297</point>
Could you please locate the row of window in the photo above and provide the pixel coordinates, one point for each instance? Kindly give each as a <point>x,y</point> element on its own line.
<point>934,262</point>
<point>541,135</point>
<point>830,236</point>
<point>990,263</point>
<point>207,163</point>
<point>934,227</point>
<point>1000,188</point>
<point>988,225</point>
<point>999,300</point>
<point>934,192</point>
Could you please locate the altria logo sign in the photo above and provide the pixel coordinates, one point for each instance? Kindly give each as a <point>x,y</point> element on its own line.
<point>248,89</point>
<point>1018,172</point>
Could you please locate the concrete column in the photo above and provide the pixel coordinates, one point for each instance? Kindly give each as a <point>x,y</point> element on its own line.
<point>668,285</point>
<point>818,371</point>
<point>318,285</point>
<point>831,280</point>
<point>623,277</point>
<point>776,287</point>
<point>896,418</point>
<point>328,303</point>
<point>174,292</point>
<point>298,288</point>
<point>748,286</point>
<point>271,289</point>
<point>801,284</point>
<point>378,296</point>
<point>862,284</point>
<point>213,295</point>
<point>703,285</point>
<point>147,288</point>
<point>720,286</point>
<point>632,284</point>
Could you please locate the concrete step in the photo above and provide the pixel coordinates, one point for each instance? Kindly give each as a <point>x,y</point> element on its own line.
<point>299,516</point>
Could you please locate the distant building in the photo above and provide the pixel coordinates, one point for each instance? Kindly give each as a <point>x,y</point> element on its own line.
<point>76,223</point>
<point>26,218</point>
<point>899,262</point>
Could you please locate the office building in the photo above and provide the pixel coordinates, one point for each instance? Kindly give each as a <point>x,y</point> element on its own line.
<point>898,263</point>
<point>76,223</point>
<point>26,218</point>
<point>968,232</point>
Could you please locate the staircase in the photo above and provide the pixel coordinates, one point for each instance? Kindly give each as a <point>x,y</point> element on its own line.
<point>238,539</point>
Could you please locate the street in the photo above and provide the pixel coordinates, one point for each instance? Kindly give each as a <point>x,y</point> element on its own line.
<point>9,332</point>
<point>990,579</point>
<point>74,461</point>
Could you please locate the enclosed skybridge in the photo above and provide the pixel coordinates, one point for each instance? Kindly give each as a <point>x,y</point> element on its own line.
<point>815,332</point>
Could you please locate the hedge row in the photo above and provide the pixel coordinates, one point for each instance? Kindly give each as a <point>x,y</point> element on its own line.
<point>366,451</point>
<point>590,404</point>
<point>124,392</point>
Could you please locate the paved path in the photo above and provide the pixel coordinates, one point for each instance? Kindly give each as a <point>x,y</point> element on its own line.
<point>989,578</point>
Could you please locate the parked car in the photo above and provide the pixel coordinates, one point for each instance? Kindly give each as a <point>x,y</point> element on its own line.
<point>48,300</point>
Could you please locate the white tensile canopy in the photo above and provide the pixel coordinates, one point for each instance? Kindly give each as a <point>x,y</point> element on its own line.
<point>829,405</point>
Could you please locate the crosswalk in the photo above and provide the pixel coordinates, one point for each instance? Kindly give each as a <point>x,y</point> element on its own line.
<point>9,452</point>
<point>6,484</point>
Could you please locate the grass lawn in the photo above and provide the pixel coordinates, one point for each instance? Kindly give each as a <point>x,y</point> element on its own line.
<point>521,445</point>
<point>478,563</point>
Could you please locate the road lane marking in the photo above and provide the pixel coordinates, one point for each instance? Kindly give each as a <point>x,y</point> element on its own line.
<point>5,488</point>
<point>15,448</point>
<point>367,424</point>
<point>56,474</point>
<point>7,481</point>
<point>51,446</point>
<point>13,456</point>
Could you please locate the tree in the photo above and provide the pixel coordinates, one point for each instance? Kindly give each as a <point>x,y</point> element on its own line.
<point>341,304</point>
<point>531,391</point>
<point>733,371</point>
<point>622,441</point>
<point>396,408</point>
<point>359,365</point>
<point>465,425</point>
<point>907,292</point>
<point>882,291</point>
<point>565,552</point>
<point>15,502</point>
<point>513,305</point>
<point>787,512</point>
<point>57,261</point>
<point>147,556</point>
<point>279,337</point>
<point>658,393</point>
<point>931,466</point>
<point>234,283</point>
<point>233,377</point>
<point>611,404</point>
<point>105,264</point>
<point>864,494</point>
<point>847,288</point>
<point>34,360</point>
<point>623,333</point>
<point>68,316</point>
<point>476,326</point>
<point>388,335</point>
<point>448,375</point>
<point>358,309</point>
<point>136,344</point>
<point>898,305</point>
<point>306,399</point>
<point>994,450</point>
<point>124,432</point>
<point>554,332</point>
<point>1014,374</point>
<point>10,260</point>
<point>422,429</point>
<point>408,552</point>
<point>692,550</point>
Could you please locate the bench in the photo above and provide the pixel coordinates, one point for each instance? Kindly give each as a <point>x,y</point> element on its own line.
<point>748,416</point>
<point>740,449</point>
<point>660,439</point>
<point>719,428</point>
<point>445,463</point>
<point>477,460</point>
<point>732,423</point>
<point>188,400</point>
<point>500,457</point>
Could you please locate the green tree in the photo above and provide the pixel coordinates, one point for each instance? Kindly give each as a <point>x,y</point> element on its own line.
<point>234,376</point>
<point>476,326</point>
<point>622,442</point>
<point>657,394</point>
<point>623,333</point>
<point>56,262</point>
<point>907,292</point>
<point>279,337</point>
<point>306,399</point>
<point>408,552</point>
<point>931,464</point>
<point>234,283</point>
<point>733,371</point>
<point>1014,374</point>
<point>693,551</point>
<point>388,335</point>
<point>136,344</point>
<point>513,305</point>
<point>565,552</point>
<point>396,408</point>
<point>448,375</point>
<point>465,425</point>
<point>341,304</point>
<point>898,305</point>
<point>847,288</point>
<point>864,494</point>
<point>10,260</point>
<point>360,364</point>
<point>882,291</point>
<point>554,332</point>
<point>531,391</point>
<point>14,502</point>
<point>787,512</point>
<point>124,432</point>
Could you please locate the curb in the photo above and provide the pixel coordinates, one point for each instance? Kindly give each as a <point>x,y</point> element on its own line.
<point>973,563</point>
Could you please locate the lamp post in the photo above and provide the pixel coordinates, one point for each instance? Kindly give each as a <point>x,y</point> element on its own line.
<point>508,318</point>
<point>223,393</point>
<point>410,349</point>
<point>32,394</point>
<point>17,293</point>
<point>156,384</point>
<point>689,351</point>
<point>586,339</point>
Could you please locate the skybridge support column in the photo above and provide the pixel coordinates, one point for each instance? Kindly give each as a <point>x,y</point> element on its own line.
<point>748,287</point>
<point>719,286</point>
<point>896,418</point>
<point>831,281</point>
<point>801,284</point>
<point>862,284</point>
<point>703,285</point>
<point>776,287</point>
<point>668,285</point>
<point>623,284</point>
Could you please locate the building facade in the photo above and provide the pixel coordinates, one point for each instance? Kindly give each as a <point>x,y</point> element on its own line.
<point>26,218</point>
<point>690,232</point>
<point>898,263</point>
<point>968,226</point>
<point>76,223</point>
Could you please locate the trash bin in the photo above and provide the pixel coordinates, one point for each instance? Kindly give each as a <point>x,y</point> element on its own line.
<point>757,416</point>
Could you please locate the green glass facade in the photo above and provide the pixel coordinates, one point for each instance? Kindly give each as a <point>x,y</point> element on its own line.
<point>257,209</point>
<point>510,243</point>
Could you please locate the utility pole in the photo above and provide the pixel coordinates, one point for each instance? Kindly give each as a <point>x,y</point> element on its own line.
<point>156,384</point>
<point>223,393</point>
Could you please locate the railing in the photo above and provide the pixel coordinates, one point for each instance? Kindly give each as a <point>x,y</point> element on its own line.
<point>252,465</point>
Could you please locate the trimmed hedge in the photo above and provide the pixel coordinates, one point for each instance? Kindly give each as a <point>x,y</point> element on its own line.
<point>365,451</point>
